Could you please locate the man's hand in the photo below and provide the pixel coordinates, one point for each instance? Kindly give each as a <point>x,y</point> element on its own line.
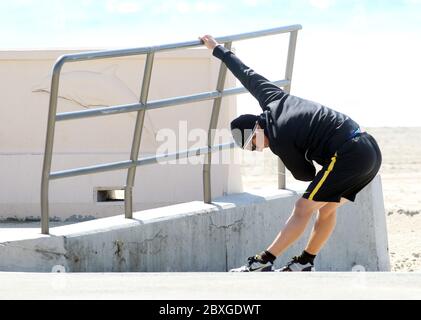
<point>209,41</point>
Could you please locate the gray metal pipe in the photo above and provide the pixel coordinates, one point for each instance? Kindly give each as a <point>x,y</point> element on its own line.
<point>91,170</point>
<point>94,55</point>
<point>158,104</point>
<point>137,136</point>
<point>122,165</point>
<point>207,183</point>
<point>49,142</point>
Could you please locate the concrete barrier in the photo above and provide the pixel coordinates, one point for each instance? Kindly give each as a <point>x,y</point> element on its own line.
<point>198,237</point>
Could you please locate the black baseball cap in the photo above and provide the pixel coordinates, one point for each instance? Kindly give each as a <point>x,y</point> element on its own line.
<point>243,129</point>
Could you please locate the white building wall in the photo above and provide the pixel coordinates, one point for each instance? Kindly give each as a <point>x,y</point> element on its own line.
<point>25,79</point>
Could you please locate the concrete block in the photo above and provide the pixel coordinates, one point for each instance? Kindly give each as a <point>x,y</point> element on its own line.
<point>199,237</point>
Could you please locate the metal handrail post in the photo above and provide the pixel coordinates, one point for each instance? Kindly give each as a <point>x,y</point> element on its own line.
<point>49,142</point>
<point>291,59</point>
<point>137,138</point>
<point>207,183</point>
<point>288,76</point>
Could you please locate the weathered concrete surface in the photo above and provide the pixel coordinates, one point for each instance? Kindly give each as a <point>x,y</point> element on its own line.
<point>212,286</point>
<point>200,237</point>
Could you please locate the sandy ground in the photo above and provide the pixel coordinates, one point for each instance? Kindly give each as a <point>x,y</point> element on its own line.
<point>401,176</point>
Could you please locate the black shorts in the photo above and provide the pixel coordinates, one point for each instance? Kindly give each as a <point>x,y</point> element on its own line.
<point>349,171</point>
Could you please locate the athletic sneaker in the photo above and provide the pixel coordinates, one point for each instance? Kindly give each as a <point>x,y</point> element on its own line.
<point>295,266</point>
<point>255,264</point>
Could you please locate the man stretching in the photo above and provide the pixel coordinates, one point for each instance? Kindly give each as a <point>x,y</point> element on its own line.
<point>299,132</point>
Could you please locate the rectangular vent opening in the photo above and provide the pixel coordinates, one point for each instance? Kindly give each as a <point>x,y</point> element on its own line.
<point>110,195</point>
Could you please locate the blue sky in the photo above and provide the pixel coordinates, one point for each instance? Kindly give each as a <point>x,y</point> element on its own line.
<point>113,23</point>
<point>359,57</point>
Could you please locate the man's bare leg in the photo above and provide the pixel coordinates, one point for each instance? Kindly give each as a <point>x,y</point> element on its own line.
<point>295,225</point>
<point>323,228</point>
<point>293,230</point>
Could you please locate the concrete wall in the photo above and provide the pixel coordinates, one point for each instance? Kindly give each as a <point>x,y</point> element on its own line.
<point>201,237</point>
<point>25,80</point>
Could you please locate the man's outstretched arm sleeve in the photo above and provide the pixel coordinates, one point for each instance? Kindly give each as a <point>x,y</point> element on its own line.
<point>261,88</point>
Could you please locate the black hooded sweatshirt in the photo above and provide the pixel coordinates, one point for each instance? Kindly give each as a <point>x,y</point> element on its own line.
<point>299,131</point>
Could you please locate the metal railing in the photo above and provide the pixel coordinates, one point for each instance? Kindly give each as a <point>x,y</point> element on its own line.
<point>141,109</point>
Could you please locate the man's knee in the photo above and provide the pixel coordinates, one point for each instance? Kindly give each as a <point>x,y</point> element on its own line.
<point>305,207</point>
<point>327,210</point>
<point>332,206</point>
<point>325,214</point>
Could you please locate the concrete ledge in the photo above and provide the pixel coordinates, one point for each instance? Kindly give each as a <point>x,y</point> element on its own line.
<point>198,237</point>
<point>212,286</point>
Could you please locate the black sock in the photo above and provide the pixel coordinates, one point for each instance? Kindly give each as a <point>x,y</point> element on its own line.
<point>267,257</point>
<point>306,258</point>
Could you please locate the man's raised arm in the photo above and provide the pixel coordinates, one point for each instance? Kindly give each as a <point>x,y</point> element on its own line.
<point>261,88</point>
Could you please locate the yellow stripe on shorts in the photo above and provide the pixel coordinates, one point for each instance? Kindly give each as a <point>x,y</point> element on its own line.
<point>328,171</point>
